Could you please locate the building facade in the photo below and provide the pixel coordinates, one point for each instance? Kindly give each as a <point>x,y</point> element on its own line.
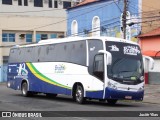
<point>149,38</point>
<point>149,43</point>
<point>150,15</point>
<point>104,18</point>
<point>28,21</point>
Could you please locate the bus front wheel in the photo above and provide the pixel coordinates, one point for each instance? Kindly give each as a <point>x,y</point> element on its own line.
<point>79,95</point>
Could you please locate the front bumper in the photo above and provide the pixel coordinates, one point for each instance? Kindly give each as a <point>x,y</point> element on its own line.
<point>123,95</point>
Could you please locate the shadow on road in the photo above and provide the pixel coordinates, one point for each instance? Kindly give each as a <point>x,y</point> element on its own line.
<point>68,99</point>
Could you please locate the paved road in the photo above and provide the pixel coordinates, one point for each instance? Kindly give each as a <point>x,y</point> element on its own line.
<point>11,100</point>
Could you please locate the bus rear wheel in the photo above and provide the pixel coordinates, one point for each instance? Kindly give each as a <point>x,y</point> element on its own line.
<point>112,101</point>
<point>24,89</point>
<point>79,95</point>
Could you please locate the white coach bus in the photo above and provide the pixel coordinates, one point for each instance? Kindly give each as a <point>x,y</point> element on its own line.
<point>103,68</point>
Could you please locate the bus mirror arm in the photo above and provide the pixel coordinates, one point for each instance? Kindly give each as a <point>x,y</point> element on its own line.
<point>151,62</point>
<point>109,56</point>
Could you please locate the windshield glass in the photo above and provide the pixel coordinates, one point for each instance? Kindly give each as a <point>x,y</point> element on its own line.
<point>127,64</point>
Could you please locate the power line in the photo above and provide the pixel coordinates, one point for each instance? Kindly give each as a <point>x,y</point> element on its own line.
<point>75,17</point>
<point>117,6</point>
<point>82,33</point>
<point>66,19</point>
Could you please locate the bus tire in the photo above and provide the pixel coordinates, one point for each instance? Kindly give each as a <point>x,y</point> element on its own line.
<point>24,90</point>
<point>79,95</point>
<point>112,101</point>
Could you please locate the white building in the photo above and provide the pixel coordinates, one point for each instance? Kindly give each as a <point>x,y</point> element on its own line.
<point>27,21</point>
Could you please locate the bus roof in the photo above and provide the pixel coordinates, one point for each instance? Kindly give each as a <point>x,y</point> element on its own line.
<point>70,39</point>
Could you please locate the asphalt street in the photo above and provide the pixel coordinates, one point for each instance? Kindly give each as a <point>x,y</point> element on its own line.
<point>12,100</point>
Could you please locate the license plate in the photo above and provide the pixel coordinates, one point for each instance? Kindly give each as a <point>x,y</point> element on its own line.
<point>128,97</point>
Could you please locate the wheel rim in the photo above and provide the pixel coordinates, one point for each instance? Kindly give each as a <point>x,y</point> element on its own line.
<point>79,94</point>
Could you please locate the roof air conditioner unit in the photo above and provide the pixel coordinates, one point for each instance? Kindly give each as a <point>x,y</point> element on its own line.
<point>22,36</point>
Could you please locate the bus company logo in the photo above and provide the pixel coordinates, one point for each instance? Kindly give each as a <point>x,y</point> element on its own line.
<point>60,68</point>
<point>114,48</point>
<point>21,71</point>
<point>131,50</point>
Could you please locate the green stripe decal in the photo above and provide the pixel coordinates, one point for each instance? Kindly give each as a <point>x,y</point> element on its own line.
<point>43,77</point>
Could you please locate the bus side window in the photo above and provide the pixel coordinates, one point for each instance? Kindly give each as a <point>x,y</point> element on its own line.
<point>98,64</point>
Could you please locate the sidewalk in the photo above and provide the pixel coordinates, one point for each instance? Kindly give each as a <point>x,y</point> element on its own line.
<point>152,94</point>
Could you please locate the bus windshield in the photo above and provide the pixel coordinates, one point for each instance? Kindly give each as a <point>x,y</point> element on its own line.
<point>127,64</point>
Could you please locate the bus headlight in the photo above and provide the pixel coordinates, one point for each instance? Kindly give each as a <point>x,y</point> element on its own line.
<point>141,88</point>
<point>113,86</point>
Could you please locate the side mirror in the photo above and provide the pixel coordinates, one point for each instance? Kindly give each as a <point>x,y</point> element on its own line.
<point>109,56</point>
<point>148,63</point>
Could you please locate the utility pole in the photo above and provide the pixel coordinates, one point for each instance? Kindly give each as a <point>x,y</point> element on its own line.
<point>124,18</point>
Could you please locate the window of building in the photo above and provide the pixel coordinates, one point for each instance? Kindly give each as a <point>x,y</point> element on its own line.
<point>5,59</point>
<point>38,3</point>
<point>66,4</point>
<point>20,2</point>
<point>41,37</point>
<point>50,4</point>
<point>25,2</point>
<point>55,4</point>
<point>74,28</point>
<point>44,36</point>
<point>28,37</point>
<point>8,37</point>
<point>53,35</point>
<point>8,2</point>
<point>96,26</point>
<point>38,37</point>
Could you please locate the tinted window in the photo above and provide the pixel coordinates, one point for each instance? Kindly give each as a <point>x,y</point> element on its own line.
<point>25,2</point>
<point>72,52</point>
<point>66,4</point>
<point>8,2</point>
<point>93,47</point>
<point>20,2</point>
<point>55,4</point>
<point>50,4</point>
<point>38,3</point>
